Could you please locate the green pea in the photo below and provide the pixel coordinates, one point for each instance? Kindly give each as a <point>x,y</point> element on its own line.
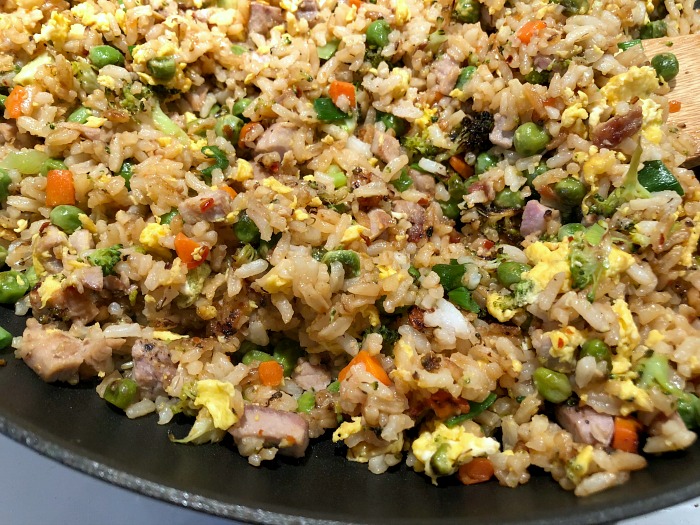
<point>507,198</point>
<point>399,125</point>
<point>80,115</point>
<point>574,7</point>
<point>467,11</point>
<point>122,393</point>
<point>440,462</point>
<point>334,387</point>
<point>3,255</point>
<point>31,277</point>
<point>666,66</point>
<point>256,356</point>
<point>287,352</point>
<point>340,180</point>
<point>306,402</point>
<point>5,181</point>
<point>5,338</point>
<point>553,386</point>
<point>162,68</point>
<point>229,127</point>
<point>126,172</point>
<point>485,161</point>
<point>167,218</point>
<point>570,191</point>
<point>102,56</point>
<point>465,75</point>
<point>597,349</point>
<point>246,230</point>
<point>348,258</point>
<point>378,33</point>
<point>13,286</point>
<point>655,29</point>
<point>509,272</point>
<point>530,139</point>
<point>450,209</point>
<point>66,217</point>
<point>569,230</point>
<point>52,164</point>
<point>240,106</point>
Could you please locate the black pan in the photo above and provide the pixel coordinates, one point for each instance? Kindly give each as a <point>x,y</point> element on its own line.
<point>74,426</point>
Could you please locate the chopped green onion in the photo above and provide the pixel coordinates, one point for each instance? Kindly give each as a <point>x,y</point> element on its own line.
<point>475,409</point>
<point>450,274</point>
<point>655,176</point>
<point>465,75</point>
<point>463,298</point>
<point>326,111</point>
<point>238,49</point>
<point>348,258</point>
<point>326,52</point>
<point>220,160</point>
<point>403,182</point>
<point>624,46</point>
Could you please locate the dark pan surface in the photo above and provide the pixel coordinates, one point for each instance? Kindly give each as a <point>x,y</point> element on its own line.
<point>73,426</point>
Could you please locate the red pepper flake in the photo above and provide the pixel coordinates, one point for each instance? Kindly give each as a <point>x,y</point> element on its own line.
<point>274,167</point>
<point>560,343</point>
<point>488,244</point>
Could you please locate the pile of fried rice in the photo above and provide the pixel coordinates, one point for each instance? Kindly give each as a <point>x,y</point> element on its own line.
<point>455,234</point>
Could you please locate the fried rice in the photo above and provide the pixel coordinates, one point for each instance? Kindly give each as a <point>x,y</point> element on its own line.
<point>455,234</point>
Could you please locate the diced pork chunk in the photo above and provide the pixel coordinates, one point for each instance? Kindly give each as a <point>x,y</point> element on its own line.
<point>263,18</point>
<point>285,430</point>
<point>609,134</point>
<point>66,304</point>
<point>57,356</point>
<point>210,206</point>
<point>48,248</point>
<point>586,425</point>
<point>379,221</point>
<point>153,368</point>
<point>309,376</point>
<point>386,147</point>
<point>422,181</point>
<point>415,214</point>
<point>446,71</point>
<point>499,136</point>
<point>309,11</point>
<point>277,138</point>
<point>534,218</point>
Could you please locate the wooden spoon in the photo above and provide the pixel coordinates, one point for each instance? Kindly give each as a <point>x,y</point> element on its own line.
<point>684,88</point>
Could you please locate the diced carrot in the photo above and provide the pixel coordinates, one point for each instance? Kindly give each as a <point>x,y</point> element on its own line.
<point>445,405</point>
<point>244,131</point>
<point>626,434</point>
<point>339,89</point>
<point>371,365</point>
<point>674,106</point>
<point>190,252</point>
<point>59,188</point>
<point>270,373</point>
<point>14,101</point>
<point>461,167</point>
<point>530,29</point>
<point>356,3</point>
<point>229,190</point>
<point>477,470</point>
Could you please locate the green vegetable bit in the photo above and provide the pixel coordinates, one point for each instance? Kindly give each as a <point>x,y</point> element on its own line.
<point>3,255</point>
<point>334,387</point>
<point>13,286</point>
<point>5,338</point>
<point>3,98</point>
<point>340,180</point>
<point>530,139</point>
<point>66,217</point>
<point>399,125</point>
<point>5,181</point>
<point>435,40</point>
<point>484,162</point>
<point>508,199</point>
<point>240,106</point>
<point>569,230</point>
<point>326,52</point>
<point>666,66</point>
<point>450,274</point>
<point>122,393</point>
<point>246,230</point>
<point>553,386</point>
<point>475,409</point>
<point>624,46</point>
<point>598,350</point>
<point>440,461</point>
<point>102,56</point>
<point>378,33</point>
<point>348,258</point>
<point>403,182</point>
<point>462,297</point>
<point>80,115</point>
<point>238,50</point>
<point>27,161</point>
<point>467,11</point>
<point>306,402</point>
<point>167,218</point>
<point>326,111</point>
<point>509,273</point>
<point>655,176</point>
<point>229,127</point>
<point>126,172</point>
<point>586,268</point>
<point>539,77</point>
<point>256,356</point>
<point>574,7</point>
<point>287,352</point>
<point>465,75</point>
<point>655,29</point>
<point>220,160</point>
<point>106,258</point>
<point>162,68</point>
<point>31,277</point>
<point>570,191</point>
<point>52,164</point>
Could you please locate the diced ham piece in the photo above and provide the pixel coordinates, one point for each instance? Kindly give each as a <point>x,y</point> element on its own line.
<point>277,138</point>
<point>385,147</point>
<point>153,368</point>
<point>586,425</point>
<point>210,206</point>
<point>415,214</point>
<point>285,430</point>
<point>309,376</point>
<point>263,18</point>
<point>609,134</point>
<point>534,218</point>
<point>447,71</point>
<point>57,356</point>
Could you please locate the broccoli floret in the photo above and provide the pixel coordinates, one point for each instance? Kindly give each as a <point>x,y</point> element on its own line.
<point>522,292</point>
<point>106,258</point>
<point>586,267</point>
<point>135,102</point>
<point>189,293</point>
<point>473,132</point>
<point>420,145</point>
<point>85,74</point>
<point>630,189</point>
<point>389,337</point>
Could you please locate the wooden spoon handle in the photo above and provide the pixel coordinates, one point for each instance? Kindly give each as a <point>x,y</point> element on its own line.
<point>684,88</point>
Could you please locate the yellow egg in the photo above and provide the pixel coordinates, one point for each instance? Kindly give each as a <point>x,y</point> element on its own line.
<point>635,82</point>
<point>347,429</point>
<point>216,396</point>
<point>549,259</point>
<point>272,282</point>
<point>565,342</point>
<point>150,237</point>
<point>165,335</point>
<point>48,287</point>
<point>353,233</point>
<point>634,398</point>
<point>573,114</point>
<point>402,13</point>
<point>497,307</point>
<point>276,186</point>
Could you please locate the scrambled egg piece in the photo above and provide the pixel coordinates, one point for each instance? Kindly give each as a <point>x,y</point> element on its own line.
<point>573,114</point>
<point>401,12</point>
<point>549,259</point>
<point>634,398</point>
<point>426,119</point>
<point>243,171</point>
<point>55,29</point>
<point>150,237</point>
<point>353,233</point>
<point>597,164</point>
<point>95,122</point>
<point>578,467</point>
<point>276,186</point>
<point>216,397</point>
<point>455,445</point>
<point>48,287</point>
<point>629,337</point>
<point>653,338</point>
<point>166,335</point>
<point>88,16</point>
<point>498,308</point>
<point>691,246</point>
<point>347,429</point>
<point>273,282</point>
<point>403,77</point>
<point>565,342</point>
<point>652,119</point>
<point>635,82</point>
<point>618,262</point>
<point>290,5</point>
<point>385,271</point>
